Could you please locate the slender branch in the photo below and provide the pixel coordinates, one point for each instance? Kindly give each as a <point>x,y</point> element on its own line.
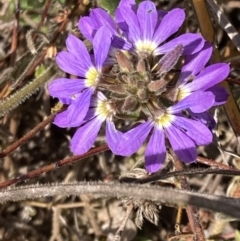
<point>228,206</point>
<point>15,32</point>
<point>53,166</point>
<point>159,176</point>
<point>26,137</point>
<point>222,169</point>
<point>192,212</point>
<point>212,163</point>
<point>44,14</point>
<point>233,81</point>
<point>127,214</point>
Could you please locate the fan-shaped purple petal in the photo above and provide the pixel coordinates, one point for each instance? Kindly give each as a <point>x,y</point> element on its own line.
<point>209,77</point>
<point>87,27</point>
<point>197,131</point>
<point>191,42</point>
<point>126,3</point>
<point>169,25</point>
<point>113,137</point>
<point>64,87</point>
<point>132,140</point>
<point>79,108</point>
<point>61,119</point>
<point>220,93</point>
<point>102,18</point>
<point>101,45</point>
<point>120,21</point>
<point>198,102</point>
<point>78,49</point>
<point>69,64</point>
<point>90,114</point>
<point>120,43</point>
<point>182,145</point>
<point>133,29</point>
<point>85,136</point>
<point>155,153</point>
<point>195,63</point>
<point>205,118</point>
<point>147,17</point>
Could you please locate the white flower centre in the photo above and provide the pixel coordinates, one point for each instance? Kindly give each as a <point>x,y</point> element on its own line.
<point>145,46</point>
<point>164,121</point>
<point>92,77</point>
<point>104,109</point>
<point>182,93</point>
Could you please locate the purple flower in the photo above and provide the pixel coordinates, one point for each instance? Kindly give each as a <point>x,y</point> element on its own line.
<point>77,61</point>
<point>186,124</point>
<point>100,110</point>
<point>194,77</point>
<point>165,112</point>
<point>98,17</point>
<point>184,134</point>
<point>148,35</point>
<point>143,28</point>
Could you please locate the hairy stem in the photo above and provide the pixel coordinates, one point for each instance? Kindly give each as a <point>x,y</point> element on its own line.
<point>21,95</point>
<point>228,206</point>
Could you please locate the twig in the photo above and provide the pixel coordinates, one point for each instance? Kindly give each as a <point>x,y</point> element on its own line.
<point>155,177</point>
<point>119,232</point>
<point>159,176</point>
<point>26,137</point>
<point>223,21</point>
<point>44,14</point>
<point>233,81</point>
<point>229,171</point>
<point>212,163</point>
<point>91,215</point>
<point>53,166</point>
<point>15,32</point>
<point>55,225</point>
<point>192,212</point>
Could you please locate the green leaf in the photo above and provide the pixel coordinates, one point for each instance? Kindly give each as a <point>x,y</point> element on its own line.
<point>109,5</point>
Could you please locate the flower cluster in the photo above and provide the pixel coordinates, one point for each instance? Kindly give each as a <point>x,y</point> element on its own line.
<point>133,75</point>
